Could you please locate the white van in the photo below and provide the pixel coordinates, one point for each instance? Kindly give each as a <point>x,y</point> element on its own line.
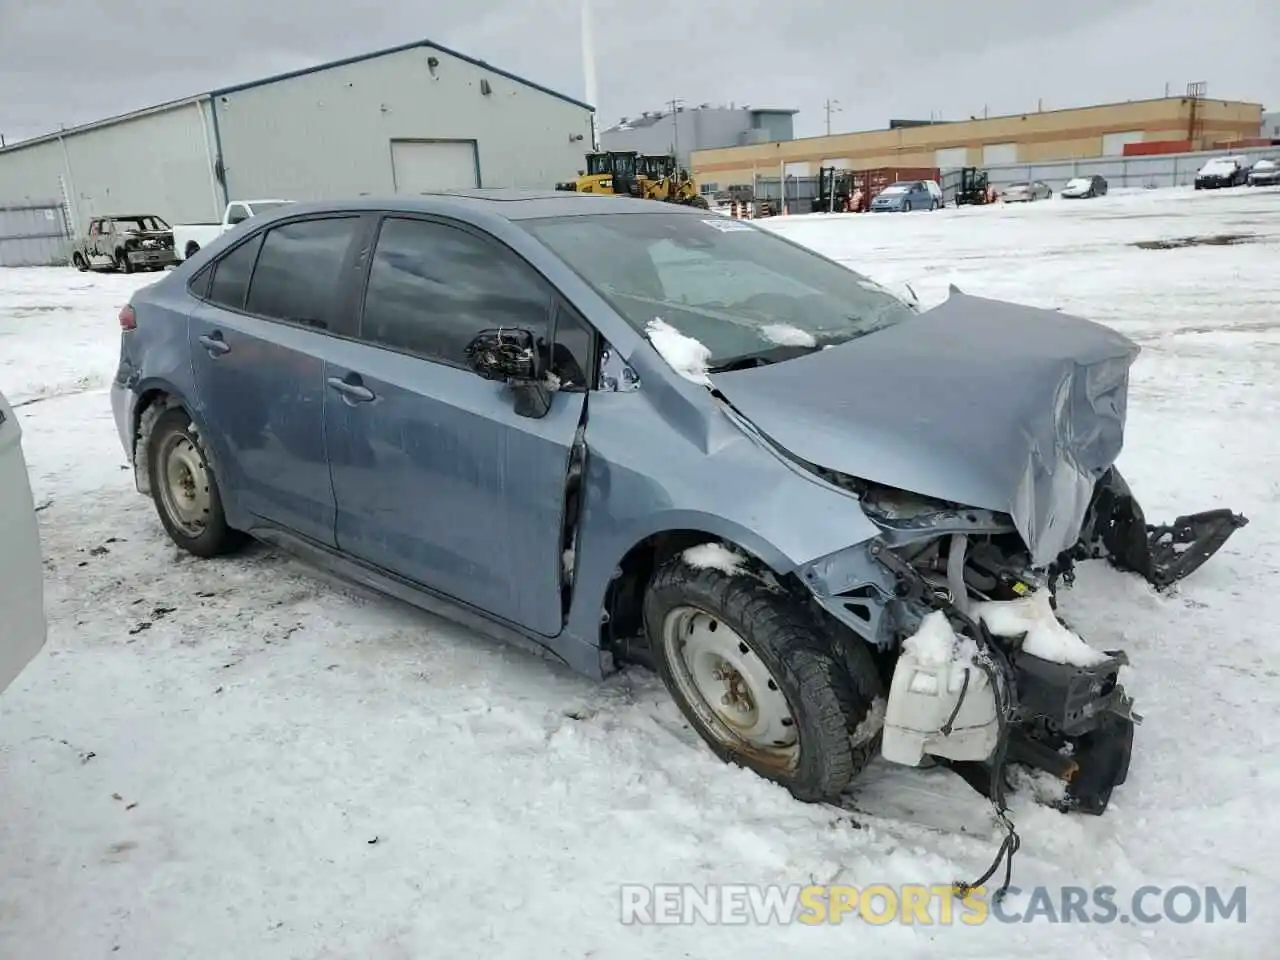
<point>23,627</point>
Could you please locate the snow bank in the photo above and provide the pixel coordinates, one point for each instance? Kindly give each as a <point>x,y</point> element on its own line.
<point>1046,637</point>
<point>687,356</point>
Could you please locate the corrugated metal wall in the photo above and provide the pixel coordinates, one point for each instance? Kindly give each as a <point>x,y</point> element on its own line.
<point>33,234</point>
<point>328,134</point>
<point>154,163</point>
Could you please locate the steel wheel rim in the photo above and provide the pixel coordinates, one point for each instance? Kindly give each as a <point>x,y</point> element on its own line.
<point>730,689</point>
<point>184,485</point>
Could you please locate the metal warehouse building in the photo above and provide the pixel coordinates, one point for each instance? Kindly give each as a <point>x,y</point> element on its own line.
<point>409,119</point>
<point>1072,134</point>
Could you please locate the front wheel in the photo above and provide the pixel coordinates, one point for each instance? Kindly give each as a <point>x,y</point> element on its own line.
<point>79,262</point>
<point>755,676</point>
<point>185,490</point>
<point>122,262</point>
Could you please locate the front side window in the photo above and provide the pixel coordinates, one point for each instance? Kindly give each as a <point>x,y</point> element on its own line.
<point>747,295</point>
<point>231,275</point>
<point>299,271</point>
<point>433,287</point>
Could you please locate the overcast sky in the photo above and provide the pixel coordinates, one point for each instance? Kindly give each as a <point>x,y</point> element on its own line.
<point>71,61</point>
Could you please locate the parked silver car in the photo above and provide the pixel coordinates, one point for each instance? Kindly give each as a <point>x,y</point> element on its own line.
<point>630,431</point>
<point>1026,191</point>
<point>21,567</point>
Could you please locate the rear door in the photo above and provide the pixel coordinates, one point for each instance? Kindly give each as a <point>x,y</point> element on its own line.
<point>436,477</point>
<point>272,306</point>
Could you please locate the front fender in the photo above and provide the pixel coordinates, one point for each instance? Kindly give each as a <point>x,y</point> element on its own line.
<point>643,478</point>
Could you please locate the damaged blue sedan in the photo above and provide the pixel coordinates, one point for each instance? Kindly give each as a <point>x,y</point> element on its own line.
<point>630,432</point>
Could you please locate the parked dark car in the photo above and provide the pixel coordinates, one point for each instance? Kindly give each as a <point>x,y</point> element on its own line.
<point>125,243</point>
<point>613,429</point>
<point>1079,188</point>
<point>1223,172</point>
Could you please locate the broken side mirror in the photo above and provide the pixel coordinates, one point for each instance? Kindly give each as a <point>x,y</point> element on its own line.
<point>510,355</point>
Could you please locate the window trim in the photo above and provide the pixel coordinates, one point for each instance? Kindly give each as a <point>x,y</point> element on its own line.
<point>550,290</point>
<point>356,249</point>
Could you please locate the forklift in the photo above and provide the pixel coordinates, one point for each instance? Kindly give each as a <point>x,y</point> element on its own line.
<point>835,191</point>
<point>974,189</point>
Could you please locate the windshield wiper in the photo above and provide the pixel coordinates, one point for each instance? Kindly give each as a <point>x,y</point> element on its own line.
<point>761,358</point>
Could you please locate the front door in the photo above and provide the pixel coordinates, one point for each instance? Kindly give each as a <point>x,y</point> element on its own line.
<point>435,476</point>
<point>257,348</point>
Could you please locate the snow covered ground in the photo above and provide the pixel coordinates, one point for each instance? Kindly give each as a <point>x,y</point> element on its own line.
<point>239,757</point>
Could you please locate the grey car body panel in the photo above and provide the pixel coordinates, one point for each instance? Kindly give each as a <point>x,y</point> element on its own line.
<point>979,402</point>
<point>662,453</point>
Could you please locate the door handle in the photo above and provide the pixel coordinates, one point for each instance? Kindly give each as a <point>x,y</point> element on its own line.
<point>352,391</point>
<point>215,344</point>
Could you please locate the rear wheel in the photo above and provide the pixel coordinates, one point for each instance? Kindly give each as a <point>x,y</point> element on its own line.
<point>79,262</point>
<point>755,676</point>
<point>122,262</point>
<point>185,490</point>
<point>192,249</point>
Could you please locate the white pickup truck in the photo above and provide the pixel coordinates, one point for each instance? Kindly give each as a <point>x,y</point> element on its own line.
<point>190,237</point>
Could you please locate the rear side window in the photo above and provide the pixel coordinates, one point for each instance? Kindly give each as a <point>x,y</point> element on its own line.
<point>300,269</point>
<point>231,275</point>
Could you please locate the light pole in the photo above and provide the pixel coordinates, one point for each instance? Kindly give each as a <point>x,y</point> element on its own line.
<point>675,104</point>
<point>832,106</point>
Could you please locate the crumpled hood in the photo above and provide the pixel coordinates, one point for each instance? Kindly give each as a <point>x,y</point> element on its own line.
<point>980,402</point>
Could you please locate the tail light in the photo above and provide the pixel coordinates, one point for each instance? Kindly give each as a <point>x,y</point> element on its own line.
<point>128,319</point>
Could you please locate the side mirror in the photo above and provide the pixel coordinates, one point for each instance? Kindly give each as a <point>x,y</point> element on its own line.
<point>507,355</point>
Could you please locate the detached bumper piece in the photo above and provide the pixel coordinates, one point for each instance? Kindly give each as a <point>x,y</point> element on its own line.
<point>1076,723</point>
<point>1162,554</point>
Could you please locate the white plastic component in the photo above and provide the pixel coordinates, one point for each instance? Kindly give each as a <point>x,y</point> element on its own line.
<point>926,687</point>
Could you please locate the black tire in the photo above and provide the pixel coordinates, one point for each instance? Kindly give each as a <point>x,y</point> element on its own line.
<point>173,428</point>
<point>826,703</point>
<point>79,262</point>
<point>192,249</point>
<point>122,262</point>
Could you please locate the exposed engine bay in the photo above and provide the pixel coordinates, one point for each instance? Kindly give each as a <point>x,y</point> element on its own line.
<point>986,673</point>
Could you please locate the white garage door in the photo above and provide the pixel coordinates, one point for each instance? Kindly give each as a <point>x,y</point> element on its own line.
<point>952,158</point>
<point>1000,153</point>
<point>1113,143</point>
<point>419,166</point>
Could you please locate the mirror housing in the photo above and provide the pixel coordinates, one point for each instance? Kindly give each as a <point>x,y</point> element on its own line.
<point>509,355</point>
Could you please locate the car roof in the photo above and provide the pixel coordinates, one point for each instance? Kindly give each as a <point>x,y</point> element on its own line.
<point>509,204</point>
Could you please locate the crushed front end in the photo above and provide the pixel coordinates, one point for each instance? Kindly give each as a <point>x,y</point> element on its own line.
<point>982,670</point>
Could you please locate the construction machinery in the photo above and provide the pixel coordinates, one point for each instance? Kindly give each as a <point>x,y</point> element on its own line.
<point>835,191</point>
<point>974,190</point>
<point>628,174</point>
<point>612,173</point>
<point>662,179</point>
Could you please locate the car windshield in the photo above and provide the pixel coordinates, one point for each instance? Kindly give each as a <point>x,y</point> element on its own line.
<point>1214,166</point>
<point>1018,186</point>
<point>1083,182</point>
<point>745,294</point>
<point>894,190</point>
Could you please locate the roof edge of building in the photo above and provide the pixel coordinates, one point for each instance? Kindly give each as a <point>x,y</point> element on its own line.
<point>104,122</point>
<point>387,51</point>
<point>275,78</point>
<point>1002,116</point>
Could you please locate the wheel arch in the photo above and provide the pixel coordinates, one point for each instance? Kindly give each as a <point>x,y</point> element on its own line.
<point>155,397</point>
<point>616,602</point>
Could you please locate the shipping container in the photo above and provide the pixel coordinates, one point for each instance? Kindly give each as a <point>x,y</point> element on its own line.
<point>1147,148</point>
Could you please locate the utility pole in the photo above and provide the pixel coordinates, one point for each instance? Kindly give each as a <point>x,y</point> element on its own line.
<point>675,104</point>
<point>832,106</point>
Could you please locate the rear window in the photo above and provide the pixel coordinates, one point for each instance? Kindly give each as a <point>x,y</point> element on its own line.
<point>297,275</point>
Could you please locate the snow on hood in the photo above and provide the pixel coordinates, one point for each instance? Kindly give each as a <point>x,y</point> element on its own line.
<point>686,355</point>
<point>1218,165</point>
<point>979,402</point>
<point>1078,183</point>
